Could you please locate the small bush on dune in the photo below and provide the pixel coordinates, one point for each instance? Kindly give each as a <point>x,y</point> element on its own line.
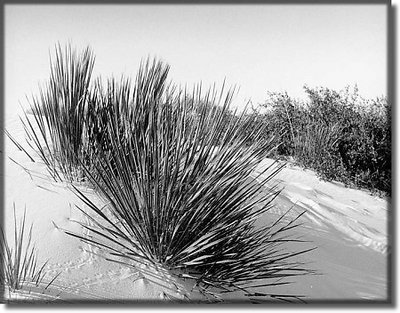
<point>363,129</point>
<point>284,116</point>
<point>366,148</point>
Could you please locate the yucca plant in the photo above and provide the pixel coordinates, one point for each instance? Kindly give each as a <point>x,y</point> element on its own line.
<point>175,169</point>
<point>57,124</point>
<point>19,262</point>
<point>176,199</point>
<point>113,100</point>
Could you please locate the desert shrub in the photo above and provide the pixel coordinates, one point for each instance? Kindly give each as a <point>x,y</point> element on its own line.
<point>340,135</point>
<point>284,119</point>
<point>316,148</point>
<point>319,136</point>
<point>363,145</point>
<point>366,147</point>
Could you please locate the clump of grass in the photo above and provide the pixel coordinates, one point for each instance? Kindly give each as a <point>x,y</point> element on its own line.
<point>19,262</point>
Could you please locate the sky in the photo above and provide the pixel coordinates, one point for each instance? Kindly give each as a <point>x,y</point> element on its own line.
<point>258,47</point>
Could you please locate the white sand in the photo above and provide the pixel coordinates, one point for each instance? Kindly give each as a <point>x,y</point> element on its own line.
<point>348,226</point>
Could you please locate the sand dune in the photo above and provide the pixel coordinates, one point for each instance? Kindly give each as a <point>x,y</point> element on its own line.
<point>348,227</point>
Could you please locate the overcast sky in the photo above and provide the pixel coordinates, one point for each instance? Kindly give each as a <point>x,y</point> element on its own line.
<point>257,47</point>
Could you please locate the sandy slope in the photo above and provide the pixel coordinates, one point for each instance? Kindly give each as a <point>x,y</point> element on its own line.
<point>349,229</point>
<point>348,226</point>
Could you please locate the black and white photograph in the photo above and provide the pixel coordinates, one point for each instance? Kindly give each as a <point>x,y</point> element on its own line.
<point>198,153</point>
